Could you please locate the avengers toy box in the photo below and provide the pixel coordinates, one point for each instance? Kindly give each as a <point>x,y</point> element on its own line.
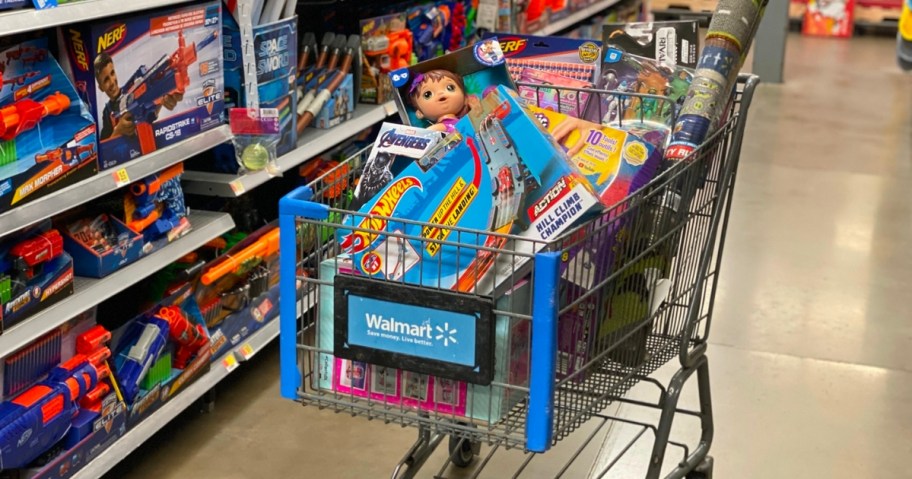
<point>158,353</point>
<point>35,272</point>
<point>276,55</point>
<point>47,140</point>
<point>151,79</point>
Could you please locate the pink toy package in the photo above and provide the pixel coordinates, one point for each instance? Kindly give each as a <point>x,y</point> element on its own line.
<point>560,99</point>
<point>367,380</point>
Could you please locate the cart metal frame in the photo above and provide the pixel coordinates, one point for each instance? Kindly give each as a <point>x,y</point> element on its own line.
<point>638,284</point>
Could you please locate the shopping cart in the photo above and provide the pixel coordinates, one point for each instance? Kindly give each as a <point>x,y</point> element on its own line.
<point>568,327</point>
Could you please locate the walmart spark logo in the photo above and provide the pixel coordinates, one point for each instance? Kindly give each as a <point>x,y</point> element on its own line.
<point>446,334</point>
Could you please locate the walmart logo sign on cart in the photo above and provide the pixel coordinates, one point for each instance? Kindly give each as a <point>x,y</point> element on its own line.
<point>413,330</point>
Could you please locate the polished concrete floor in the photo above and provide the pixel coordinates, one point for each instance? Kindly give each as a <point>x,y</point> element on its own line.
<point>811,348</point>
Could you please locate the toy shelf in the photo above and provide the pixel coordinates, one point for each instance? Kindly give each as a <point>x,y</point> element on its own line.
<point>104,182</point>
<point>312,143</point>
<point>29,19</point>
<point>576,17</point>
<point>140,433</point>
<point>90,292</point>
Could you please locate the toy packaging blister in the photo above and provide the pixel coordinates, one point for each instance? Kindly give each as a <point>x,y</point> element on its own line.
<point>35,272</point>
<point>386,45</point>
<point>616,162</point>
<point>275,52</point>
<point>151,79</point>
<point>479,68</point>
<point>154,206</point>
<point>623,72</point>
<point>47,141</point>
<point>562,98</point>
<point>670,43</point>
<point>256,139</point>
<point>396,146</point>
<point>158,353</point>
<point>238,291</point>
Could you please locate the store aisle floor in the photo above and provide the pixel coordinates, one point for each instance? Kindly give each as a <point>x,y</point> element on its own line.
<point>811,371</point>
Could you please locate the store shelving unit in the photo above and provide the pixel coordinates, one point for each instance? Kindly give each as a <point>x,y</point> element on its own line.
<point>28,19</point>
<point>312,143</point>
<point>576,17</point>
<point>90,292</point>
<point>109,180</point>
<point>140,433</point>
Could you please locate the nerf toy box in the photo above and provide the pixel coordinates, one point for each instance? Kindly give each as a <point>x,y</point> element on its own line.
<point>238,291</point>
<point>670,43</point>
<point>101,245</point>
<point>10,4</point>
<point>35,272</point>
<point>430,26</point>
<point>386,45</point>
<point>460,78</point>
<point>154,207</point>
<point>615,162</point>
<point>47,140</point>
<point>276,54</point>
<point>151,79</point>
<point>156,354</point>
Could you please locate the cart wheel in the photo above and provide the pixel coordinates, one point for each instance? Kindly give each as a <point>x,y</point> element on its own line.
<point>466,452</point>
<point>704,470</point>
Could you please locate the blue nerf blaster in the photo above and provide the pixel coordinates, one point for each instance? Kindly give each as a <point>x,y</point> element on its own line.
<point>141,356</point>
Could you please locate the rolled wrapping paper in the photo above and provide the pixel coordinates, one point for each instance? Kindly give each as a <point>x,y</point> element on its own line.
<point>735,22</point>
<point>730,33</point>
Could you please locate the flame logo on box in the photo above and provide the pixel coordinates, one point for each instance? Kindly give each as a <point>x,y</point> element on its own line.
<point>359,241</point>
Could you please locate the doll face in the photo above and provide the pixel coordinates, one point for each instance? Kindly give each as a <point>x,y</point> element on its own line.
<point>440,98</point>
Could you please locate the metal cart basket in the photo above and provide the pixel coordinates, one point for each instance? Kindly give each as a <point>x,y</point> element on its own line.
<point>561,330</point>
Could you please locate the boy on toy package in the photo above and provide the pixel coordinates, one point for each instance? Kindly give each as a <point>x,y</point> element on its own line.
<point>151,79</point>
<point>435,94</point>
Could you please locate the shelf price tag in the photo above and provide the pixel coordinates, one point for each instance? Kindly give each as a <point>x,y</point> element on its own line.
<point>237,186</point>
<point>246,351</point>
<point>230,363</point>
<point>121,178</point>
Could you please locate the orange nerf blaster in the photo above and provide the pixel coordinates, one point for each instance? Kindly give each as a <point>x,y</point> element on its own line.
<point>24,114</point>
<point>143,193</point>
<point>266,246</point>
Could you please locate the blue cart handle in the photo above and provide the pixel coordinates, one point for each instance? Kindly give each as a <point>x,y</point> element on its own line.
<point>298,203</point>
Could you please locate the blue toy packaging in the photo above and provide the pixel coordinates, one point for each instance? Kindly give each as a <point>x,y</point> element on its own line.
<point>47,137</point>
<point>151,79</point>
<point>35,272</point>
<point>430,26</point>
<point>275,49</point>
<point>101,245</point>
<point>472,71</point>
<point>10,4</point>
<point>158,353</point>
<point>340,107</point>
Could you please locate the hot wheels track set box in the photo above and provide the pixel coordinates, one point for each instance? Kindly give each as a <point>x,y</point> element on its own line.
<point>151,80</point>
<point>47,136</point>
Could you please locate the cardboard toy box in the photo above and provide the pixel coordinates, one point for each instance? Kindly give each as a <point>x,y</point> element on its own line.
<point>162,69</point>
<point>670,43</point>
<point>339,108</point>
<point>239,291</point>
<point>160,356</point>
<point>35,272</point>
<point>48,141</point>
<point>103,247</point>
<point>386,45</point>
<point>106,429</point>
<point>276,53</point>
